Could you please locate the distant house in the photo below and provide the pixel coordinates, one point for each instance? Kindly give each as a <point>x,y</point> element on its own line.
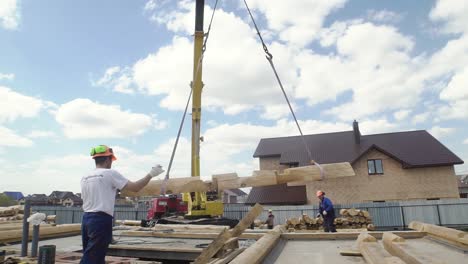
<point>72,201</point>
<point>58,197</point>
<point>234,196</point>
<point>391,166</point>
<point>463,185</point>
<point>36,199</point>
<point>14,195</point>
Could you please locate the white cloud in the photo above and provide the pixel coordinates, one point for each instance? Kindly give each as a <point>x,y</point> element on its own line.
<point>401,115</point>
<point>457,88</point>
<point>375,72</point>
<point>306,22</point>
<point>236,75</point>
<point>150,5</point>
<point>329,36</point>
<point>9,14</point>
<point>15,105</point>
<point>41,134</point>
<point>275,112</point>
<point>9,138</point>
<point>453,13</point>
<point>420,118</point>
<point>465,141</point>
<point>440,132</point>
<point>82,118</point>
<point>385,16</point>
<point>119,80</point>
<point>376,126</point>
<point>7,76</point>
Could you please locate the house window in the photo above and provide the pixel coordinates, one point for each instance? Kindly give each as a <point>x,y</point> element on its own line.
<point>374,166</point>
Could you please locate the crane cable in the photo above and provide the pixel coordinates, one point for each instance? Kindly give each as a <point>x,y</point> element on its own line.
<point>200,60</point>
<point>269,57</point>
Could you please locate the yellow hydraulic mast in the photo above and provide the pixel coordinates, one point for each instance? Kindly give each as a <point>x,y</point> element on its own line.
<point>199,204</point>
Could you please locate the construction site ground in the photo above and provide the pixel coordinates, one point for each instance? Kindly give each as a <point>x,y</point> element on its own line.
<point>293,247</point>
<point>328,251</point>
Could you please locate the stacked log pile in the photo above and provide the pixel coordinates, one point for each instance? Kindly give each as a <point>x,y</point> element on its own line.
<point>350,219</point>
<point>354,219</point>
<point>11,213</point>
<point>304,223</point>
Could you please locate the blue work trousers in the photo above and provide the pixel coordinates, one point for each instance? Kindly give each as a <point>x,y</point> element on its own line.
<point>96,233</point>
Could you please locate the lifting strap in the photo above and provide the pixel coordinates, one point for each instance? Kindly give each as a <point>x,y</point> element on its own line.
<point>269,57</point>
<point>164,184</point>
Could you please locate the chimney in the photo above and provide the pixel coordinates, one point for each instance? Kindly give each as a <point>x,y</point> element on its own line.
<point>357,133</point>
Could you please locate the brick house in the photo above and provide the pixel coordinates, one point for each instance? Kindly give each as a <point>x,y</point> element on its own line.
<point>391,166</point>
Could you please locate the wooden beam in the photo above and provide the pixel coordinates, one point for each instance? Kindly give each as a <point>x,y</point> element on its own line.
<point>44,232</point>
<point>373,252</point>
<point>312,173</point>
<point>260,249</point>
<point>227,259</point>
<point>225,235</point>
<point>193,235</point>
<point>348,235</point>
<point>397,246</point>
<point>453,236</point>
<point>259,178</point>
<point>174,185</point>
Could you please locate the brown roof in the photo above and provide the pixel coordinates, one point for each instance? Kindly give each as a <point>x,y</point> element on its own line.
<point>266,195</point>
<point>412,148</point>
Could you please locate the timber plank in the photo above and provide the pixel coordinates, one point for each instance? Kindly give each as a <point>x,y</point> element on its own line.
<point>225,235</point>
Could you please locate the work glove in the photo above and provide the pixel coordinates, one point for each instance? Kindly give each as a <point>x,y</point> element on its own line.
<point>324,212</point>
<point>156,170</point>
<point>318,215</point>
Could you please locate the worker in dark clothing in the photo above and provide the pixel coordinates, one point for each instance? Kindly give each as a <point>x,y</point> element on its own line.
<point>270,220</point>
<point>327,212</point>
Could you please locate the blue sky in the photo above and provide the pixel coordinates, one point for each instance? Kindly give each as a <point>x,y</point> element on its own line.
<point>74,75</point>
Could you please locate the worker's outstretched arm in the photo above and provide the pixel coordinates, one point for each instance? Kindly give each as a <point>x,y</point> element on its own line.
<point>138,185</point>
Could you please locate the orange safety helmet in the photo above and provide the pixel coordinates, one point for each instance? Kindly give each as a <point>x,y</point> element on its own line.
<point>320,193</point>
<point>102,151</point>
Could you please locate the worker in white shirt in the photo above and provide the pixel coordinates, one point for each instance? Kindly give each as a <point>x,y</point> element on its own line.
<point>98,190</point>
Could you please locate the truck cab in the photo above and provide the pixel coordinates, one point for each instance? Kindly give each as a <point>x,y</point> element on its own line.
<point>166,206</point>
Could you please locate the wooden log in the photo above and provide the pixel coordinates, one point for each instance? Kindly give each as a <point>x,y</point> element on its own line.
<point>396,246</point>
<point>128,222</point>
<point>175,185</point>
<point>17,226</point>
<point>259,250</point>
<point>301,175</point>
<point>240,182</point>
<point>365,214</point>
<point>350,252</point>
<point>348,235</point>
<point>227,258</point>
<point>353,212</point>
<point>44,232</point>
<point>344,212</point>
<point>449,234</point>
<point>373,252</point>
<point>415,225</point>
<point>7,211</point>
<point>225,235</point>
<point>181,234</point>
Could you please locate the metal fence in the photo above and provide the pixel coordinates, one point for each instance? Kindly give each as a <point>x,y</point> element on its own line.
<point>385,216</point>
